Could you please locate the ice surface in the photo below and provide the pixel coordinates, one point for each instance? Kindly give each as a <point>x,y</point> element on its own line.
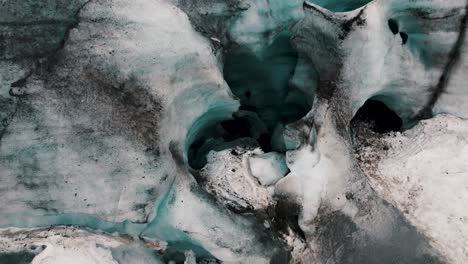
<point>259,25</point>
<point>228,178</point>
<point>72,245</point>
<point>31,29</point>
<point>423,172</point>
<point>211,231</point>
<point>372,62</point>
<point>454,99</point>
<point>87,148</point>
<point>177,131</point>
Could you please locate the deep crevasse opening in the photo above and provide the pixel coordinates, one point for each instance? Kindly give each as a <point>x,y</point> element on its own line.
<point>269,101</point>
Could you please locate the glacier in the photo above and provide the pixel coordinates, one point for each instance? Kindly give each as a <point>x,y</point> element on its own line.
<point>233,131</point>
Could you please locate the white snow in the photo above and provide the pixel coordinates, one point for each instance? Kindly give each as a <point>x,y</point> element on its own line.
<point>268,168</point>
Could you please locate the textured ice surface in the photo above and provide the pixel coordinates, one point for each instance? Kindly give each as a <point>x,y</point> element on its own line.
<point>227,176</point>
<point>422,171</point>
<point>85,143</point>
<point>406,68</point>
<point>72,245</point>
<point>238,131</point>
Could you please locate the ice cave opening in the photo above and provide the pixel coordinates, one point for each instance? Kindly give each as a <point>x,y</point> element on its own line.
<point>339,5</point>
<point>377,116</point>
<point>261,80</point>
<point>393,25</point>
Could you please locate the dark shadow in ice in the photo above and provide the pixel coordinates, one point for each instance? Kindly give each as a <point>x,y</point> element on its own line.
<point>22,257</point>
<point>342,241</point>
<point>340,5</point>
<point>377,116</point>
<point>261,82</point>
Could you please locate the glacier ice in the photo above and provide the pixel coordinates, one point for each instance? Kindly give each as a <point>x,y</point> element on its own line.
<point>238,131</point>
<point>421,171</point>
<point>72,245</point>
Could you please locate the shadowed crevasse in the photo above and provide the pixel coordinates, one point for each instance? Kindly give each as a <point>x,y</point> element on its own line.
<point>261,82</point>
<point>377,117</point>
